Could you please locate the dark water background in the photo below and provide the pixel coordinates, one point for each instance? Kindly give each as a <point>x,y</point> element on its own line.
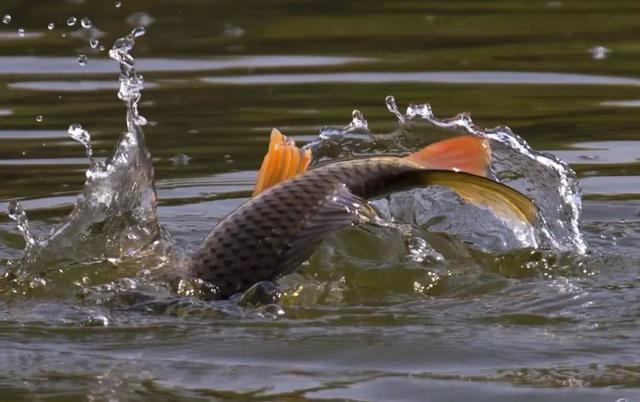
<point>219,75</point>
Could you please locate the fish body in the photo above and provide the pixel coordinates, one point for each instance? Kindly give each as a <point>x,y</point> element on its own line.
<point>276,230</point>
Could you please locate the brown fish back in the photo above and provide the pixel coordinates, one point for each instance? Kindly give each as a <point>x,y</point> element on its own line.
<point>274,232</point>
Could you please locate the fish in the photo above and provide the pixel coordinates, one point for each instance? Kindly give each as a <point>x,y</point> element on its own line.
<point>293,208</point>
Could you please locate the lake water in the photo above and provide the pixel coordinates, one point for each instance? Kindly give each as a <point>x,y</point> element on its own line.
<point>360,321</point>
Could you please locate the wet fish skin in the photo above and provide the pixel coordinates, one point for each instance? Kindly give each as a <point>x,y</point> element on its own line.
<point>294,209</point>
<point>256,241</point>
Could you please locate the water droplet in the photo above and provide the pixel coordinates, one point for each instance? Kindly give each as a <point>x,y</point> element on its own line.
<point>94,43</point>
<point>85,22</point>
<point>138,31</point>
<point>6,19</point>
<point>599,52</point>
<point>82,60</point>
<point>21,32</point>
<point>51,25</point>
<point>39,118</point>
<point>71,21</point>
<point>101,48</point>
<point>118,4</point>
<point>390,101</point>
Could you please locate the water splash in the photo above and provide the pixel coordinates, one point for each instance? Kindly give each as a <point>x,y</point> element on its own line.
<point>17,213</point>
<point>547,180</point>
<point>115,214</point>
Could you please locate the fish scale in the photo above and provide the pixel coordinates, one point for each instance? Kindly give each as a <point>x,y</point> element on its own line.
<point>275,231</point>
<point>251,244</point>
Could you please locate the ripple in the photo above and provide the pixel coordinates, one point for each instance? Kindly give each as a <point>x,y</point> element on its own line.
<point>45,161</point>
<point>449,77</point>
<point>602,152</point>
<point>70,86</point>
<point>31,134</point>
<point>611,185</point>
<point>69,65</point>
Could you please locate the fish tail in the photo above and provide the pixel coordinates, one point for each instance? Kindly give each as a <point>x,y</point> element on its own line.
<point>464,153</point>
<point>461,163</point>
<point>283,161</point>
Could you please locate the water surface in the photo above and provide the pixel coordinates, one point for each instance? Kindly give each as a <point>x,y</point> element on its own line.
<point>487,325</point>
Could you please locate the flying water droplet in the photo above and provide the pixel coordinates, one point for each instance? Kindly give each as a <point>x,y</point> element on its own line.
<point>39,118</point>
<point>118,4</point>
<point>17,213</point>
<point>94,43</point>
<point>82,59</point>
<point>101,48</point>
<point>71,21</point>
<point>131,83</point>
<point>6,19</point>
<point>599,52</point>
<point>85,22</point>
<point>51,26</point>
<point>390,101</point>
<point>21,32</point>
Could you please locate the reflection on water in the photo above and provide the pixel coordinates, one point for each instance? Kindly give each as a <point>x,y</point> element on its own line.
<point>68,66</point>
<point>362,320</point>
<point>450,77</point>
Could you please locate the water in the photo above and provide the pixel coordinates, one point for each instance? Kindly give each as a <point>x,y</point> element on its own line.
<point>447,311</point>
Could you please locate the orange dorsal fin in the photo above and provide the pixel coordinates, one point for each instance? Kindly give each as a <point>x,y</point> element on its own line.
<point>283,161</point>
<point>464,153</point>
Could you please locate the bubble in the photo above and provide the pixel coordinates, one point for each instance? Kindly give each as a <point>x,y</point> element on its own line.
<point>21,32</point>
<point>39,118</point>
<point>118,4</point>
<point>6,19</point>
<point>93,43</point>
<point>599,52</point>
<point>71,21</point>
<point>101,48</point>
<point>51,25</point>
<point>85,22</point>
<point>82,60</point>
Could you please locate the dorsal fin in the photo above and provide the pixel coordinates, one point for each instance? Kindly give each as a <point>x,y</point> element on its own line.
<point>283,161</point>
<point>464,153</point>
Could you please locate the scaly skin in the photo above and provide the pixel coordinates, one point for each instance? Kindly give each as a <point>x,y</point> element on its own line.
<point>260,241</point>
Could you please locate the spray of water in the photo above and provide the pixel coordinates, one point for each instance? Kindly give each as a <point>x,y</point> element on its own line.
<point>115,214</point>
<point>546,179</point>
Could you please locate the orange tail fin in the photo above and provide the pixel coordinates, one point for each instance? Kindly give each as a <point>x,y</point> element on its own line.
<point>465,153</point>
<point>283,161</point>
